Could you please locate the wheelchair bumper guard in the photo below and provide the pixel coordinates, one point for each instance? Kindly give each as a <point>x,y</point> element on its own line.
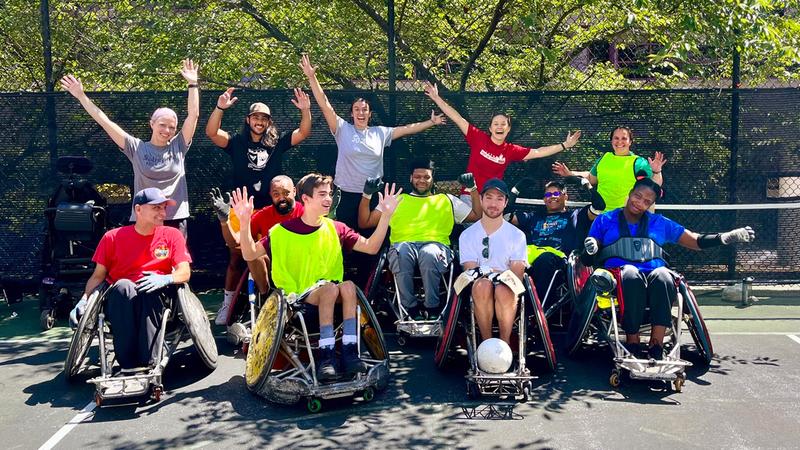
<point>289,390</point>
<point>126,386</point>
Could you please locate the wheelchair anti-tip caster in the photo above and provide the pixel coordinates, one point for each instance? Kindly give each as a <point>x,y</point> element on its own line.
<point>614,379</point>
<point>47,319</point>
<point>314,405</point>
<point>678,383</point>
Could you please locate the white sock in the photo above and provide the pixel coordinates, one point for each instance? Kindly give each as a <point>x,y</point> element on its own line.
<point>228,298</point>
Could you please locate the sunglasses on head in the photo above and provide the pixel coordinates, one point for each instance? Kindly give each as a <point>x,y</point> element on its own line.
<point>555,194</point>
<point>486,247</point>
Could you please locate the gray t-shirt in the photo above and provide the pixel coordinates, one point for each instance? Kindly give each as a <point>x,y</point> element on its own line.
<point>360,154</point>
<point>160,167</point>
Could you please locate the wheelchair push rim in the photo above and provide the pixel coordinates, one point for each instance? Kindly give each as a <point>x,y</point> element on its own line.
<point>84,334</point>
<point>196,321</point>
<point>541,322</point>
<point>445,340</point>
<point>265,342</point>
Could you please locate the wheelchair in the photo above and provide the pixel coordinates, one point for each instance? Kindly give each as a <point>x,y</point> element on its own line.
<point>383,296</point>
<point>460,331</point>
<point>183,316</point>
<point>76,220</point>
<point>597,319</point>
<point>281,360</point>
<point>564,287</point>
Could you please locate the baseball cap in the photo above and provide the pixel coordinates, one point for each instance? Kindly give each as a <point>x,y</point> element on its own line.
<point>152,196</point>
<point>495,183</point>
<point>259,107</point>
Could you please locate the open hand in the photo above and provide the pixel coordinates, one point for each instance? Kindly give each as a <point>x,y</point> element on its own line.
<point>572,139</point>
<point>72,85</point>
<point>242,204</point>
<point>309,70</point>
<point>431,90</point>
<point>388,200</point>
<point>301,100</point>
<point>559,168</point>
<point>657,162</point>
<point>438,119</point>
<point>226,99</point>
<point>189,71</point>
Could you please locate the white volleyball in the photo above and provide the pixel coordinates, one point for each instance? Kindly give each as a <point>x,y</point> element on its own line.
<point>494,356</point>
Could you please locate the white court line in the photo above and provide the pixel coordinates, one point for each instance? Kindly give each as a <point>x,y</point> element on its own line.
<point>794,338</point>
<point>751,333</point>
<point>85,413</point>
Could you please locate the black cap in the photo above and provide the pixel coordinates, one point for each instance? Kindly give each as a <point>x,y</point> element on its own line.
<point>151,196</point>
<point>495,183</point>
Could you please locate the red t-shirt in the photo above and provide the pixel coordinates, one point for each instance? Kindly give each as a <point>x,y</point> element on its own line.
<point>347,236</point>
<point>126,254</point>
<point>266,218</point>
<point>488,160</point>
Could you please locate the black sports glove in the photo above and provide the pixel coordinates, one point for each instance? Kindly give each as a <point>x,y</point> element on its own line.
<point>221,207</point>
<point>371,186</point>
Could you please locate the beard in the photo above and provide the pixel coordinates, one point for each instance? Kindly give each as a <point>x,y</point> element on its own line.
<point>493,214</point>
<point>284,207</point>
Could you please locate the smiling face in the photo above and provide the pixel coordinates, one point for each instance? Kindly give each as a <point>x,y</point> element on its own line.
<point>319,203</point>
<point>640,200</point>
<point>151,215</point>
<point>621,141</point>
<point>422,181</point>
<point>361,113</point>
<point>258,123</point>
<point>555,200</point>
<point>493,203</point>
<point>282,193</point>
<point>164,129</point>
<point>499,128</point>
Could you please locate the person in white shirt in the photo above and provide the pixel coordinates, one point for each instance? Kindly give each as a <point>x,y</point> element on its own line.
<point>493,245</point>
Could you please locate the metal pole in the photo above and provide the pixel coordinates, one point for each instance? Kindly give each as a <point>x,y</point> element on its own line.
<point>392,60</point>
<point>50,107</point>
<point>734,147</point>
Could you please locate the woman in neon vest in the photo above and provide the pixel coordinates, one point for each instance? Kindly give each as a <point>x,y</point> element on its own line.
<point>615,172</point>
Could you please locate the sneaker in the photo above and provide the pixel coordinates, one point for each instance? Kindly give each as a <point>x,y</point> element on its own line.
<point>325,367</point>
<point>415,313</point>
<point>656,352</point>
<point>351,361</point>
<point>634,349</point>
<point>433,312</point>
<point>222,314</point>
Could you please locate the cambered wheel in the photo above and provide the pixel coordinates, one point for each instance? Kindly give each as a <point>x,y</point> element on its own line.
<point>368,394</point>
<point>47,319</point>
<point>314,405</point>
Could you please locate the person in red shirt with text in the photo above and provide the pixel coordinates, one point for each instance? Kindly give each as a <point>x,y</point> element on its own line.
<point>142,261</point>
<point>489,153</point>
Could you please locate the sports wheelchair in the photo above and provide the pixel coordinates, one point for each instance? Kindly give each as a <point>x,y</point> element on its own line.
<point>281,360</point>
<point>460,331</point>
<point>76,220</point>
<point>564,287</point>
<point>243,311</point>
<point>382,293</point>
<point>183,316</point>
<point>597,319</point>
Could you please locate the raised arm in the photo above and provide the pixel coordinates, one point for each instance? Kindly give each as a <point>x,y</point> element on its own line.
<point>189,73</point>
<point>695,241</point>
<point>243,207</point>
<point>561,169</point>
<point>468,181</point>
<point>432,91</point>
<point>413,128</point>
<point>656,164</point>
<point>303,103</point>
<point>543,152</point>
<point>217,135</point>
<point>319,95</point>
<point>74,86</point>
<point>367,218</point>
<point>388,204</point>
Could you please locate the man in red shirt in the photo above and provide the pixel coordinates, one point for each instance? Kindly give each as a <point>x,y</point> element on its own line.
<point>142,261</point>
<point>283,207</point>
<point>489,153</point>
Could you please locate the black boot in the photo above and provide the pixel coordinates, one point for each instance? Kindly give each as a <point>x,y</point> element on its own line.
<point>351,360</point>
<point>326,368</point>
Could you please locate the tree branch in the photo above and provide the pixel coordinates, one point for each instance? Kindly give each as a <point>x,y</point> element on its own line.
<point>276,33</point>
<point>401,44</point>
<point>499,11</point>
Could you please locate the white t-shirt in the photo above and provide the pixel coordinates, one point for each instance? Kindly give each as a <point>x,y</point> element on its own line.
<point>360,154</point>
<point>505,245</point>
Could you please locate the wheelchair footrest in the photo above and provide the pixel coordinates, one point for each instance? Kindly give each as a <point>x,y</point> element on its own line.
<point>125,386</point>
<point>420,328</point>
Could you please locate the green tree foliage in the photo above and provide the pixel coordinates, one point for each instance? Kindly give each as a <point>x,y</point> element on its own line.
<point>462,44</point>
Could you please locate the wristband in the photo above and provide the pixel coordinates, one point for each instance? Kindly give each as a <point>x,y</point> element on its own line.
<point>656,173</point>
<point>367,196</point>
<point>217,107</point>
<point>193,85</point>
<point>563,147</point>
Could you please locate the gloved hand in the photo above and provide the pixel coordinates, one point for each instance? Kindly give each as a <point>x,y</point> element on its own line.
<point>221,207</point>
<point>151,281</point>
<point>371,186</point>
<point>746,234</point>
<point>511,208</point>
<point>77,312</point>
<point>591,245</point>
<point>585,183</point>
<point>468,181</point>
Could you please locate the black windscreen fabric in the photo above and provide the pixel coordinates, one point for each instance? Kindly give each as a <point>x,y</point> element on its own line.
<point>691,127</point>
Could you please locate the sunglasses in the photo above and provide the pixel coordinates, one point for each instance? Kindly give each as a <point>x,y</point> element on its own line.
<point>486,247</point>
<point>555,194</point>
